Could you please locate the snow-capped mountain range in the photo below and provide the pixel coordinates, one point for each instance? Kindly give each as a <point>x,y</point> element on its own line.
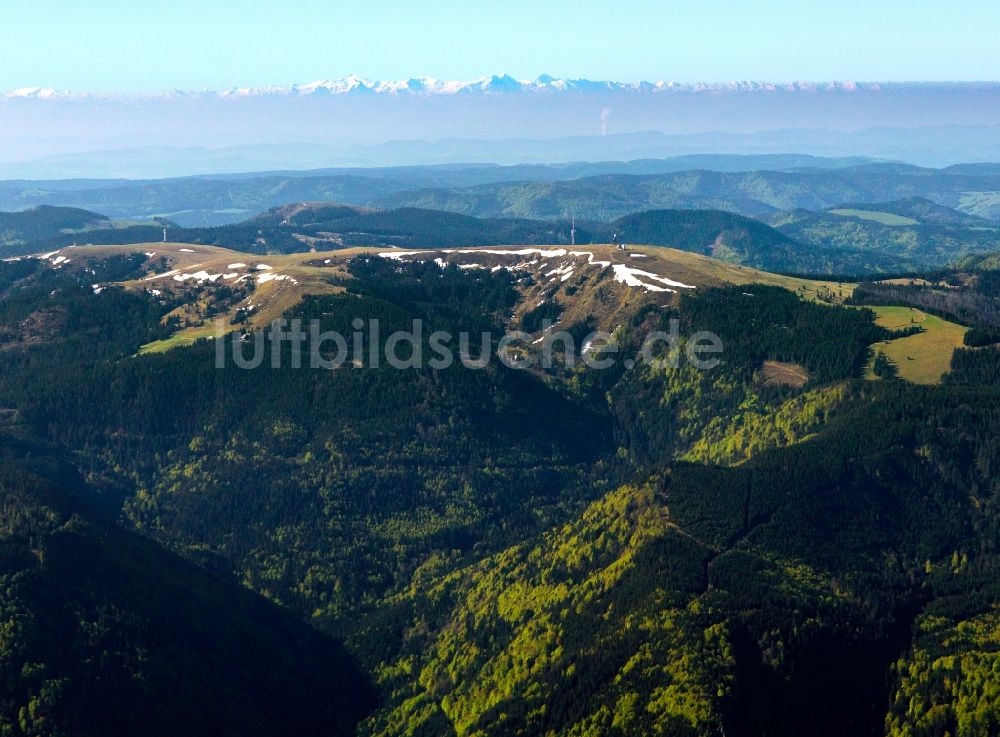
<point>497,84</point>
<point>359,122</point>
<point>505,84</point>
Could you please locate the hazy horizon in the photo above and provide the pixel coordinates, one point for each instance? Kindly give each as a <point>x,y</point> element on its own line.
<point>317,85</point>
<point>501,120</point>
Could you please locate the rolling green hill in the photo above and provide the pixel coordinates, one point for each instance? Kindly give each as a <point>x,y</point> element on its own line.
<point>322,226</point>
<point>971,189</point>
<point>910,234</point>
<point>45,222</point>
<point>304,227</point>
<point>857,219</point>
<point>30,231</point>
<point>722,235</point>
<point>596,192</point>
<point>415,227</point>
<point>922,211</point>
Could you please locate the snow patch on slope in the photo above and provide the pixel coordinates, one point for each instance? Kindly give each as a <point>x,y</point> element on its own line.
<point>639,278</point>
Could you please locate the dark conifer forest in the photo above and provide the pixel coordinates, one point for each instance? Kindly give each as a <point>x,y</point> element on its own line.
<point>648,549</point>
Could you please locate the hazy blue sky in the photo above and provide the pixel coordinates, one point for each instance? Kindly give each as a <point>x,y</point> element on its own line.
<point>194,44</point>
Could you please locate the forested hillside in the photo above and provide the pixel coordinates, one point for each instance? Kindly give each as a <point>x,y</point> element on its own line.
<point>107,633</point>
<point>327,226</point>
<point>856,239</point>
<point>700,600</point>
<point>359,474</point>
<point>321,226</point>
<point>971,189</point>
<point>589,191</point>
<point>909,235</point>
<point>644,549</point>
<point>39,224</point>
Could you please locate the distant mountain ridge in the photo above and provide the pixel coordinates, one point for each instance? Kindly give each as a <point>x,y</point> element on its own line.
<point>357,116</point>
<point>970,189</point>
<point>322,226</point>
<point>831,216</point>
<point>638,153</point>
<point>503,83</point>
<point>600,191</point>
<point>318,226</point>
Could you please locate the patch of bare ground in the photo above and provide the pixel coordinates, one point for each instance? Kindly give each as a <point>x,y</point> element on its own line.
<point>779,373</point>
